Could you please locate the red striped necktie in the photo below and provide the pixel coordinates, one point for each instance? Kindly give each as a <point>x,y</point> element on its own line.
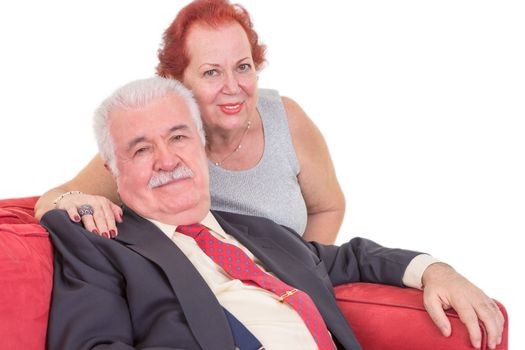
<point>239,265</point>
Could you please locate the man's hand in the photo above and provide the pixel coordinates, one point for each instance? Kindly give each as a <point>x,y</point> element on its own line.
<point>444,288</point>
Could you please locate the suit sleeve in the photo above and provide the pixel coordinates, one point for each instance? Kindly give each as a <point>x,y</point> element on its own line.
<point>362,260</point>
<point>88,306</point>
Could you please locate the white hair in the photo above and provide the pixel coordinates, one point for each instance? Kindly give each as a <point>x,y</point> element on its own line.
<point>137,94</point>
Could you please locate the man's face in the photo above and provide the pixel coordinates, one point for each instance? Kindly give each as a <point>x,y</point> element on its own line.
<point>163,173</point>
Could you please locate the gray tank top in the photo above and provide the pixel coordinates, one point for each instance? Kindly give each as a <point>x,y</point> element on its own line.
<point>270,189</point>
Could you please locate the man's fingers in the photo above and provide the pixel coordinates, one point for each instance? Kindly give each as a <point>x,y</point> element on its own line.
<point>491,316</point>
<point>436,313</point>
<point>468,316</point>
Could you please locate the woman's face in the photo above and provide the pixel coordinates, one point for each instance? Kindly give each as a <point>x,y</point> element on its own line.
<point>222,75</point>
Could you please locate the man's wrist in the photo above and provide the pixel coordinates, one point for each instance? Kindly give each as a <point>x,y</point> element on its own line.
<point>413,276</point>
<point>439,269</point>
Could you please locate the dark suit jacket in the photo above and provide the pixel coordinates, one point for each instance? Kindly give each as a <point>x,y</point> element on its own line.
<point>140,291</point>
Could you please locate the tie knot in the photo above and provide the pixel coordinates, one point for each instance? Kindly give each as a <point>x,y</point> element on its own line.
<point>190,230</point>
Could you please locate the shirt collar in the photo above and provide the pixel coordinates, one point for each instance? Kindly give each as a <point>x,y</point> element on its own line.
<point>209,221</point>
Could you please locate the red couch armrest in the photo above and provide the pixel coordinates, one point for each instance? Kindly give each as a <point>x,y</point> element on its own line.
<point>391,318</point>
<point>26,269</point>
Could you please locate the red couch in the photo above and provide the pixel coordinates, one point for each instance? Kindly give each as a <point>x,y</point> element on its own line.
<point>383,317</point>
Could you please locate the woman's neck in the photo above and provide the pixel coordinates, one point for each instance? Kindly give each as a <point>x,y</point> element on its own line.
<point>236,149</point>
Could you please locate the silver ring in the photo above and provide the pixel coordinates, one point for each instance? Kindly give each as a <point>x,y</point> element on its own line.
<point>85,209</point>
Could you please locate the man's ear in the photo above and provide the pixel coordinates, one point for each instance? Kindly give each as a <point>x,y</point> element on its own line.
<point>108,168</point>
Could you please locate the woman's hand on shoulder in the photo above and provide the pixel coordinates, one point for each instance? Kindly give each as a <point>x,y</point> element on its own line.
<point>98,214</point>
<point>94,178</point>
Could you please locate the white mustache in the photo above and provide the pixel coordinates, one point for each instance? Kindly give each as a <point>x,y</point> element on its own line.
<point>164,177</point>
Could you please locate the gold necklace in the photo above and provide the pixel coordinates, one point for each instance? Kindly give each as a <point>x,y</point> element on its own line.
<point>239,146</point>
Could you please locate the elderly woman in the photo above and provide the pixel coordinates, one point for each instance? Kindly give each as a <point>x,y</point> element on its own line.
<point>266,157</point>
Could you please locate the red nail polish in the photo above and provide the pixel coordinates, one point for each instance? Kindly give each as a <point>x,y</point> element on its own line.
<point>95,231</point>
<point>112,233</point>
<point>76,218</point>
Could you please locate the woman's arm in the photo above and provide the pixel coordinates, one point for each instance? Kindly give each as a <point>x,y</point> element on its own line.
<point>324,198</point>
<point>98,190</point>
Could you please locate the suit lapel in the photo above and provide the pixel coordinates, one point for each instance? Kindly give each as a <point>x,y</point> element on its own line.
<point>203,312</point>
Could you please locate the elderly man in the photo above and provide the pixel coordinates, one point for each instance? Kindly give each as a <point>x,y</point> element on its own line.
<point>181,277</point>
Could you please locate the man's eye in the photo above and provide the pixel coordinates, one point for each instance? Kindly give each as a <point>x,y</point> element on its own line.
<point>178,137</point>
<point>140,151</point>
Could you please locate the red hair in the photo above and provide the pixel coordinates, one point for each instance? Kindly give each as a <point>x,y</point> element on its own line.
<point>173,56</point>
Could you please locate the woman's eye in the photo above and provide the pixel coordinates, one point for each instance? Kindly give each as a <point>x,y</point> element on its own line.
<point>211,73</point>
<point>245,67</point>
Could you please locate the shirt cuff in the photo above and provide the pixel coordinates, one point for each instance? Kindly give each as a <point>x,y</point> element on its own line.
<point>416,267</point>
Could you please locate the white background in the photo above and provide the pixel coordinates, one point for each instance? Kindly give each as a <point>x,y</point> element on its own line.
<point>422,104</point>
